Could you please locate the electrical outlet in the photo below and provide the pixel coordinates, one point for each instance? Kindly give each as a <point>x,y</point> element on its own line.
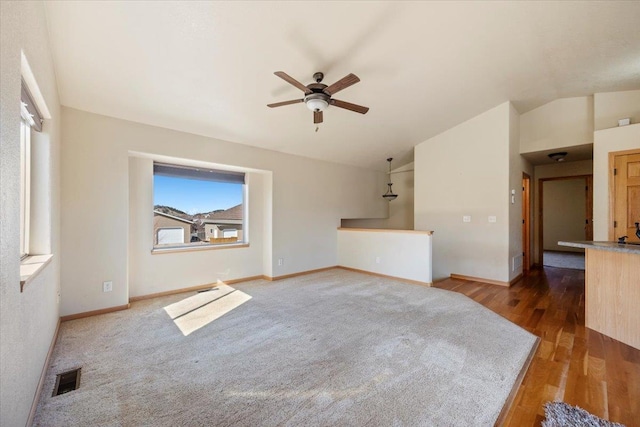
<point>492,218</point>
<point>107,286</point>
<point>280,262</point>
<point>466,218</point>
<point>377,260</point>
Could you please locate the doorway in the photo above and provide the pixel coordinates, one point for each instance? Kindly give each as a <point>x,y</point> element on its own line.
<point>566,212</point>
<point>624,195</point>
<point>526,221</point>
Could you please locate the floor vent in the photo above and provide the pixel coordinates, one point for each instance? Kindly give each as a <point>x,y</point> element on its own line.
<point>207,290</point>
<point>66,382</point>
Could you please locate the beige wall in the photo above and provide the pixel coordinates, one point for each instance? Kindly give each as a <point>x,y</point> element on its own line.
<point>465,171</point>
<point>612,106</point>
<point>401,209</point>
<point>555,170</point>
<point>304,200</point>
<point>27,320</point>
<point>606,141</point>
<point>392,253</point>
<point>152,273</point>
<point>561,123</point>
<point>517,166</point>
<point>564,203</point>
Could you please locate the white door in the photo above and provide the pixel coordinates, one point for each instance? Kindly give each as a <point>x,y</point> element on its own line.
<point>170,235</point>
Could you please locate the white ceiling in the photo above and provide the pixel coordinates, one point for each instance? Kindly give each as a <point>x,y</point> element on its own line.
<point>207,67</point>
<point>575,153</point>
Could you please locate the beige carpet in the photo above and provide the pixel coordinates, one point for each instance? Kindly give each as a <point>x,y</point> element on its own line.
<point>332,348</point>
<point>571,260</point>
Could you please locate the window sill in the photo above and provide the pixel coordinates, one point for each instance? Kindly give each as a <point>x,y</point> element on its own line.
<point>31,266</point>
<point>159,251</point>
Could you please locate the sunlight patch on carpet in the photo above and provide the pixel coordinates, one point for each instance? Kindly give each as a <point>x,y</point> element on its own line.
<point>199,310</point>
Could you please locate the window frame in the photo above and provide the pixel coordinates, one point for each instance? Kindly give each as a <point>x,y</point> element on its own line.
<point>26,122</point>
<point>204,245</point>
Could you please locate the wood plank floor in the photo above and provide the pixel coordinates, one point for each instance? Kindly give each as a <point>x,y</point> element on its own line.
<point>573,363</point>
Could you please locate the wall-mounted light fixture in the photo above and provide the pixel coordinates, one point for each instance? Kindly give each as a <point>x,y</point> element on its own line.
<point>389,194</point>
<point>559,156</point>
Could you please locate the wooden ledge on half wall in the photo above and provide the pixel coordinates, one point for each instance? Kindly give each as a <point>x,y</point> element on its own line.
<point>387,230</point>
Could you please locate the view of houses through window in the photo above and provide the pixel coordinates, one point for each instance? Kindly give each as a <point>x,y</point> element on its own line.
<point>25,185</point>
<point>197,206</point>
<point>31,121</point>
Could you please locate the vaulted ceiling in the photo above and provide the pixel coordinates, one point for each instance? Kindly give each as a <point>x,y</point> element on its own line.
<point>207,67</point>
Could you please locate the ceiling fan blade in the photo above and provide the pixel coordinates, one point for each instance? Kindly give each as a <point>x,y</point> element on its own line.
<point>280,104</point>
<point>343,83</point>
<point>349,106</point>
<point>317,117</point>
<point>286,77</point>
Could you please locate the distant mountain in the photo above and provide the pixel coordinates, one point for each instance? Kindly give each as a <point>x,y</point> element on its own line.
<point>234,212</point>
<point>172,211</point>
<point>206,215</point>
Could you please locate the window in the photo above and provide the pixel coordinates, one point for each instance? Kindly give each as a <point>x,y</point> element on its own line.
<point>25,186</point>
<point>31,119</point>
<point>197,207</point>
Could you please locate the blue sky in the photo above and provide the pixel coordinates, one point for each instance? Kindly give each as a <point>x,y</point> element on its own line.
<point>194,196</point>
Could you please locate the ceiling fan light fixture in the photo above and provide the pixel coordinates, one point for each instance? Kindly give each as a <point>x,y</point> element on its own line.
<point>318,96</point>
<point>317,102</point>
<point>559,156</point>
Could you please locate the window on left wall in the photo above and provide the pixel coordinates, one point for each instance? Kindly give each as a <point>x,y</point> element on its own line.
<point>31,120</point>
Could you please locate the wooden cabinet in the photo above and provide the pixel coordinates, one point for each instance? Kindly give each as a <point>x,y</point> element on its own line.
<point>612,305</point>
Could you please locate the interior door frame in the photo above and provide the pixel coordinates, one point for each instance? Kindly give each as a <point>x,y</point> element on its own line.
<point>526,221</point>
<point>612,187</point>
<point>588,209</point>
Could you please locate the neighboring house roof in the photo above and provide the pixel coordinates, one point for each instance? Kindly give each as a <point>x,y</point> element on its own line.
<point>234,213</point>
<point>172,217</point>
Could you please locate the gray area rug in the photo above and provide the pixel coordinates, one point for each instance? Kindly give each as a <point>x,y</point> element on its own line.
<point>560,414</point>
<point>564,260</point>
<point>331,348</point>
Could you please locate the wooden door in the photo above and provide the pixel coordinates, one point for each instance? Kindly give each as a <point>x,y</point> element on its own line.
<point>588,228</point>
<point>526,222</point>
<point>626,204</point>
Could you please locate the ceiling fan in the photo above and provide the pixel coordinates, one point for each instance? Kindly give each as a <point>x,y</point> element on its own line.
<point>318,96</point>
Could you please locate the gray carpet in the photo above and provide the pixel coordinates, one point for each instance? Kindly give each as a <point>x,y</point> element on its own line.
<point>560,414</point>
<point>571,260</point>
<point>331,348</point>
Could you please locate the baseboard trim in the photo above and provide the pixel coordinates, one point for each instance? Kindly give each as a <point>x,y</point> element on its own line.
<point>515,279</point>
<point>45,368</point>
<point>481,280</point>
<point>516,385</point>
<point>386,276</point>
<point>301,273</point>
<point>193,288</point>
<point>94,312</point>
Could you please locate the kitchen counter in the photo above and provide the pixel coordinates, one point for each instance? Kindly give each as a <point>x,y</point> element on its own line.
<point>605,246</point>
<point>612,289</point>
